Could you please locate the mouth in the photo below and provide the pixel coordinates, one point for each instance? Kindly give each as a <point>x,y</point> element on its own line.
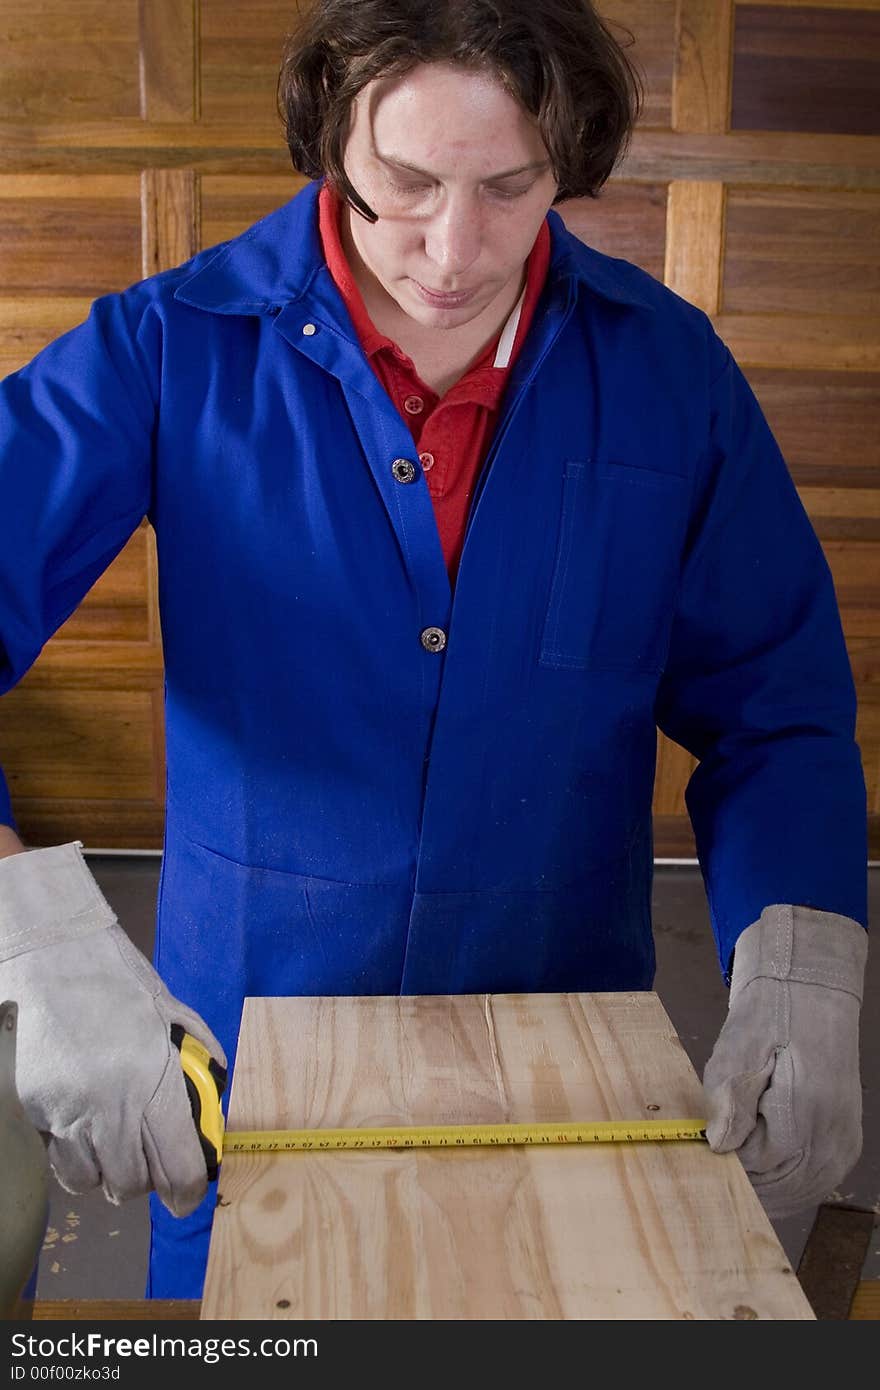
<point>445,301</point>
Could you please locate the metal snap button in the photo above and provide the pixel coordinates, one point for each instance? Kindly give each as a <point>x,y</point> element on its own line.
<point>433,639</point>
<point>309,330</point>
<point>403,470</point>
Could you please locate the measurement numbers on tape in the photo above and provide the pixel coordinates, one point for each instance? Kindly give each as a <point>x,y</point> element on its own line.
<point>462,1136</point>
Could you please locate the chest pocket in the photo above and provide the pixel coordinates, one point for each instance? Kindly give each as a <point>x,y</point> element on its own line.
<point>616,571</point>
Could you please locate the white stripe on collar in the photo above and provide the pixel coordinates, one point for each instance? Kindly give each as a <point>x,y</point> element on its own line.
<point>508,334</point>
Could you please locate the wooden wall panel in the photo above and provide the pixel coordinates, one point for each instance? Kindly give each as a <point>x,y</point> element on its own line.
<point>68,234</point>
<point>169,55</point>
<point>651,25</point>
<point>82,736</point>
<point>48,754</point>
<point>791,262</point>
<point>154,121</point>
<point>628,220</point>
<point>701,98</point>
<point>170,218</point>
<point>853,564</point>
<point>66,60</point>
<point>803,342</point>
<point>802,251</point>
<point>27,325</point>
<point>240,49</point>
<point>826,423</point>
<point>806,67</point>
<point>116,609</point>
<point>695,229</point>
<point>232,202</point>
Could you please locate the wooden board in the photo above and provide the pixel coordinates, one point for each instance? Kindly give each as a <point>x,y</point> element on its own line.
<point>649,1230</point>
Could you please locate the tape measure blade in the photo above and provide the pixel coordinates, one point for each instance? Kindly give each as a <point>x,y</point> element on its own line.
<point>462,1136</point>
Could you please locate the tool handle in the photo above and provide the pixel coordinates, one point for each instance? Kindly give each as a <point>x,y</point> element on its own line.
<point>205,1083</point>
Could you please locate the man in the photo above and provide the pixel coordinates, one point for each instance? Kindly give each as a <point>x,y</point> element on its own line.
<point>452,512</point>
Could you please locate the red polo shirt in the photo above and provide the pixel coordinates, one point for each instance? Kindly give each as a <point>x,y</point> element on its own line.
<point>451,433</point>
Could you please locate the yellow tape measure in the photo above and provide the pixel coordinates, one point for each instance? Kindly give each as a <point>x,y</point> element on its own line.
<point>205,1082</point>
<point>461,1136</point>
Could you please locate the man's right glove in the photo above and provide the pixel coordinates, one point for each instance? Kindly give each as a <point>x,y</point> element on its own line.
<point>96,1069</point>
<point>782,1086</point>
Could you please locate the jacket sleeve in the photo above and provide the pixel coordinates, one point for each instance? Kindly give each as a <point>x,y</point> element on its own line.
<point>76,432</point>
<point>758,687</point>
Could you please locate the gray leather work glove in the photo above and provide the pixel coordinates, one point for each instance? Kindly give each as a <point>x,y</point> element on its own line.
<point>96,1069</point>
<point>782,1086</point>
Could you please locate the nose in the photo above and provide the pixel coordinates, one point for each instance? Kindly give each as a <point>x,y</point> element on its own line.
<point>453,239</point>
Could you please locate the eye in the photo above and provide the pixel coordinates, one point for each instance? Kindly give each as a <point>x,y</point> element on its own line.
<point>506,193</point>
<point>400,187</point>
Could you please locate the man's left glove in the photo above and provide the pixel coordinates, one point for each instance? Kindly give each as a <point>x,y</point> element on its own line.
<point>782,1086</point>
<point>98,1071</point>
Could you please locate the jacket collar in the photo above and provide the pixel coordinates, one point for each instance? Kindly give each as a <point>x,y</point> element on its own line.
<point>255,273</point>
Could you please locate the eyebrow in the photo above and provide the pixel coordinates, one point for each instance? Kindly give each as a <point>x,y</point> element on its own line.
<point>396,163</point>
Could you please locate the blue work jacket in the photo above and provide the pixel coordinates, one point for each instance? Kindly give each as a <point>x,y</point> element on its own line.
<point>376,784</point>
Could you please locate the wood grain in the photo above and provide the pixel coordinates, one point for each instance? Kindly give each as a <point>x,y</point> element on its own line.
<point>230,203</point>
<point>843,512</point>
<point>69,59</point>
<point>656,1230</point>
<point>827,425</point>
<point>108,823</point>
<point>169,59</point>
<point>240,50</point>
<point>866,1304</point>
<point>63,235</point>
<point>88,665</point>
<point>54,747</point>
<point>694,242</point>
<point>752,157</point>
<point>651,26</point>
<point>806,68</point>
<point>673,832</point>
<point>627,220</point>
<point>170,218</point>
<point>703,45</point>
<point>654,156</point>
<point>865,1307</point>
<point>814,4</point>
<point>115,608</point>
<point>804,342</point>
<point>674,768</point>
<point>802,251</point>
<point>116,1309</point>
<point>856,575</point>
<point>29,324</point>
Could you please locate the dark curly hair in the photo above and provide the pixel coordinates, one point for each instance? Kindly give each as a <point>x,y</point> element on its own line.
<point>557,58</point>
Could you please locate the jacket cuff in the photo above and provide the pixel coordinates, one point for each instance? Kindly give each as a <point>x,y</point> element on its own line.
<point>46,896</point>
<point>802,944</point>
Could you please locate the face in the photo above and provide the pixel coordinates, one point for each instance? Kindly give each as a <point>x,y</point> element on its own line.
<point>460,179</point>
